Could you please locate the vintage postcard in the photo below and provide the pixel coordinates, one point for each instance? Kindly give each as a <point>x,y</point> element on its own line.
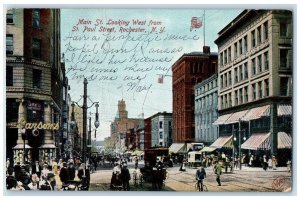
<point>144,99</point>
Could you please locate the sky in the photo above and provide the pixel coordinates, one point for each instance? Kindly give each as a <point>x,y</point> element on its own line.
<point>119,64</point>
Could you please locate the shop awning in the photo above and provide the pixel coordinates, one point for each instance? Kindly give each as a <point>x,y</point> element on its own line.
<point>235,117</point>
<point>257,141</point>
<point>221,119</point>
<point>224,141</point>
<point>207,149</point>
<point>284,141</point>
<point>137,152</point>
<point>256,113</point>
<point>177,148</point>
<point>284,109</point>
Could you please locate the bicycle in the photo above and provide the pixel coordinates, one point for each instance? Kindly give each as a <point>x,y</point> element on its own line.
<point>197,187</point>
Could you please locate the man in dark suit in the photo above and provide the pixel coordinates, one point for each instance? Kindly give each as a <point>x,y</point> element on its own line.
<point>36,169</point>
<point>64,174</point>
<point>71,171</point>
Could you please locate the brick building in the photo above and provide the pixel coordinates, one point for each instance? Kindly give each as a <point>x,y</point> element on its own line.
<point>189,70</point>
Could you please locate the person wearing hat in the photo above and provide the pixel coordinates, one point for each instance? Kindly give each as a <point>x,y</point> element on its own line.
<point>64,174</point>
<point>36,169</point>
<point>71,171</point>
<point>49,183</point>
<point>34,185</point>
<point>45,171</point>
<point>125,177</point>
<point>84,175</point>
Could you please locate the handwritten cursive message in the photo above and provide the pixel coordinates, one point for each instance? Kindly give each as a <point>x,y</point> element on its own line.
<point>123,52</point>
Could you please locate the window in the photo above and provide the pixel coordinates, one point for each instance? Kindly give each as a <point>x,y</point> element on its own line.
<point>160,124</point>
<point>221,58</point>
<point>36,48</point>
<point>246,94</point>
<point>36,78</point>
<point>9,76</point>
<point>229,54</point>
<point>283,29</point>
<point>9,18</point>
<point>284,86</point>
<point>241,72</point>
<point>235,50</point>
<point>246,70</point>
<point>230,101</point>
<point>229,77</point>
<point>236,75</point>
<point>260,90</point>
<point>36,18</point>
<point>259,35</point>
<point>266,30</point>
<point>160,135</point>
<point>226,101</point>
<point>222,102</point>
<point>267,87</point>
<point>241,46</point>
<point>225,80</point>
<point>253,38</point>
<point>253,66</point>
<point>241,96</point>
<point>9,44</point>
<point>259,61</point>
<point>266,60</point>
<point>254,91</point>
<point>221,81</point>
<point>225,57</point>
<point>246,43</point>
<point>236,98</point>
<point>284,58</point>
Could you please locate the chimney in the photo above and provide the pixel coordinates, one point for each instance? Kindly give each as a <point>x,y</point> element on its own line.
<point>206,49</point>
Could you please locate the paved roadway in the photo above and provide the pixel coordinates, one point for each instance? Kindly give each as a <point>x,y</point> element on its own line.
<point>245,180</point>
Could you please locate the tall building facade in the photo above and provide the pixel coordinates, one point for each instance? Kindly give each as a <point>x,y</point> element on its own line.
<point>255,76</point>
<point>188,70</point>
<point>34,84</point>
<point>120,128</point>
<point>206,110</point>
<point>161,129</point>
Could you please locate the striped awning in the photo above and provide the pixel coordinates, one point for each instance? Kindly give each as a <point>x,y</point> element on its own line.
<point>284,141</point>
<point>177,148</point>
<point>137,152</point>
<point>235,117</point>
<point>221,119</point>
<point>223,141</point>
<point>257,141</point>
<point>284,109</point>
<point>256,113</point>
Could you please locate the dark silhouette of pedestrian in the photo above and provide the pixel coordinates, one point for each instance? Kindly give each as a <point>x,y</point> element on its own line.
<point>64,174</point>
<point>125,176</point>
<point>218,172</point>
<point>71,171</point>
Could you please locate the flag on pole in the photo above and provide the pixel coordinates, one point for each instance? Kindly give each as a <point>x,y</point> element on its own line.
<point>161,79</point>
<point>196,22</point>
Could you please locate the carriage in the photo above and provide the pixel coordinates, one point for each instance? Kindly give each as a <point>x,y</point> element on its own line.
<point>154,171</point>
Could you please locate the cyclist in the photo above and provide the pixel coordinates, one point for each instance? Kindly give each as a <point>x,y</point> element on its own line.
<point>200,175</point>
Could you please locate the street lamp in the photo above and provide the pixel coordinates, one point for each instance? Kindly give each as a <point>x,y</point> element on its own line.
<point>84,114</point>
<point>24,136</point>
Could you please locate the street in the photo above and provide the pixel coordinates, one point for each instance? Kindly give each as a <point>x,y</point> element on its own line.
<point>245,180</point>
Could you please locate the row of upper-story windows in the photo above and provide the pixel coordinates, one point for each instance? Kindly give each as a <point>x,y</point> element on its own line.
<point>36,77</point>
<point>241,46</point>
<point>240,96</point>
<point>240,73</point>
<point>36,46</point>
<point>207,87</point>
<point>36,18</point>
<point>207,101</point>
